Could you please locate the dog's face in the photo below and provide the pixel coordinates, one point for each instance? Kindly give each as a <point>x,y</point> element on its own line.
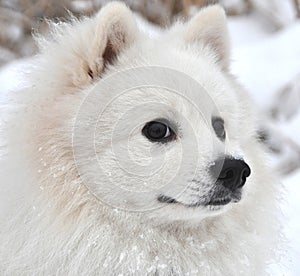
<point>169,130</point>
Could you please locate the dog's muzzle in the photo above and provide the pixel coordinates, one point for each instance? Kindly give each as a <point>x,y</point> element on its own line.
<point>230,176</point>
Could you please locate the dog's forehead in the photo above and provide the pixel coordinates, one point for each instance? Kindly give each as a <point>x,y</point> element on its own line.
<point>191,64</point>
<point>191,86</point>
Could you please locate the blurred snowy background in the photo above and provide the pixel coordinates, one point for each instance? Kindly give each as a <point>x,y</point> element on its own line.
<point>266,58</point>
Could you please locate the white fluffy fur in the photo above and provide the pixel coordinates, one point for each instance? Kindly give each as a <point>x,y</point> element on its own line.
<point>52,225</point>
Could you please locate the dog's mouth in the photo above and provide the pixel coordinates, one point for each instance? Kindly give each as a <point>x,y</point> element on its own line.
<point>219,201</point>
<point>213,201</point>
<point>233,197</point>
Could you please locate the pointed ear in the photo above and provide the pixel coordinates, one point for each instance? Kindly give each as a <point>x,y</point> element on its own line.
<point>209,28</point>
<point>97,43</point>
<point>115,31</point>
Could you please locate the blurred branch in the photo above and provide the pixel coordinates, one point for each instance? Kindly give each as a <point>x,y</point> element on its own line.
<point>283,110</point>
<point>237,7</point>
<point>286,103</point>
<point>297,7</point>
<point>18,18</point>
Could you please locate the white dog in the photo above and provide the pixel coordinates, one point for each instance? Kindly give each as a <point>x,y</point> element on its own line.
<point>131,155</point>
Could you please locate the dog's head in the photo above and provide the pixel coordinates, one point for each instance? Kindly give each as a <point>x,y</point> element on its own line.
<point>163,128</point>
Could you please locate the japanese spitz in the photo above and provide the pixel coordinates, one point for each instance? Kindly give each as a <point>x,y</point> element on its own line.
<point>134,155</point>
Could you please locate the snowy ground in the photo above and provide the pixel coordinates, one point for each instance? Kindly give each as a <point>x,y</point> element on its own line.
<point>264,62</point>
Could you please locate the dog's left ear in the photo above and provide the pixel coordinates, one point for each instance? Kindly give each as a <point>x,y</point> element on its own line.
<point>209,28</point>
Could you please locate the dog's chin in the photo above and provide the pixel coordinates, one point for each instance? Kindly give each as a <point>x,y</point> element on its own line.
<point>214,203</point>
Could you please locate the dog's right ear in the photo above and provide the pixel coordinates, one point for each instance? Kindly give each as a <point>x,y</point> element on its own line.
<point>98,43</point>
<point>116,30</point>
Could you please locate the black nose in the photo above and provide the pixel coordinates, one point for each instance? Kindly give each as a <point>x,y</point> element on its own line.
<point>231,173</point>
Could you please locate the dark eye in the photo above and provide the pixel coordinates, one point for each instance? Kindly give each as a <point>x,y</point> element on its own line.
<point>218,126</point>
<point>157,131</point>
